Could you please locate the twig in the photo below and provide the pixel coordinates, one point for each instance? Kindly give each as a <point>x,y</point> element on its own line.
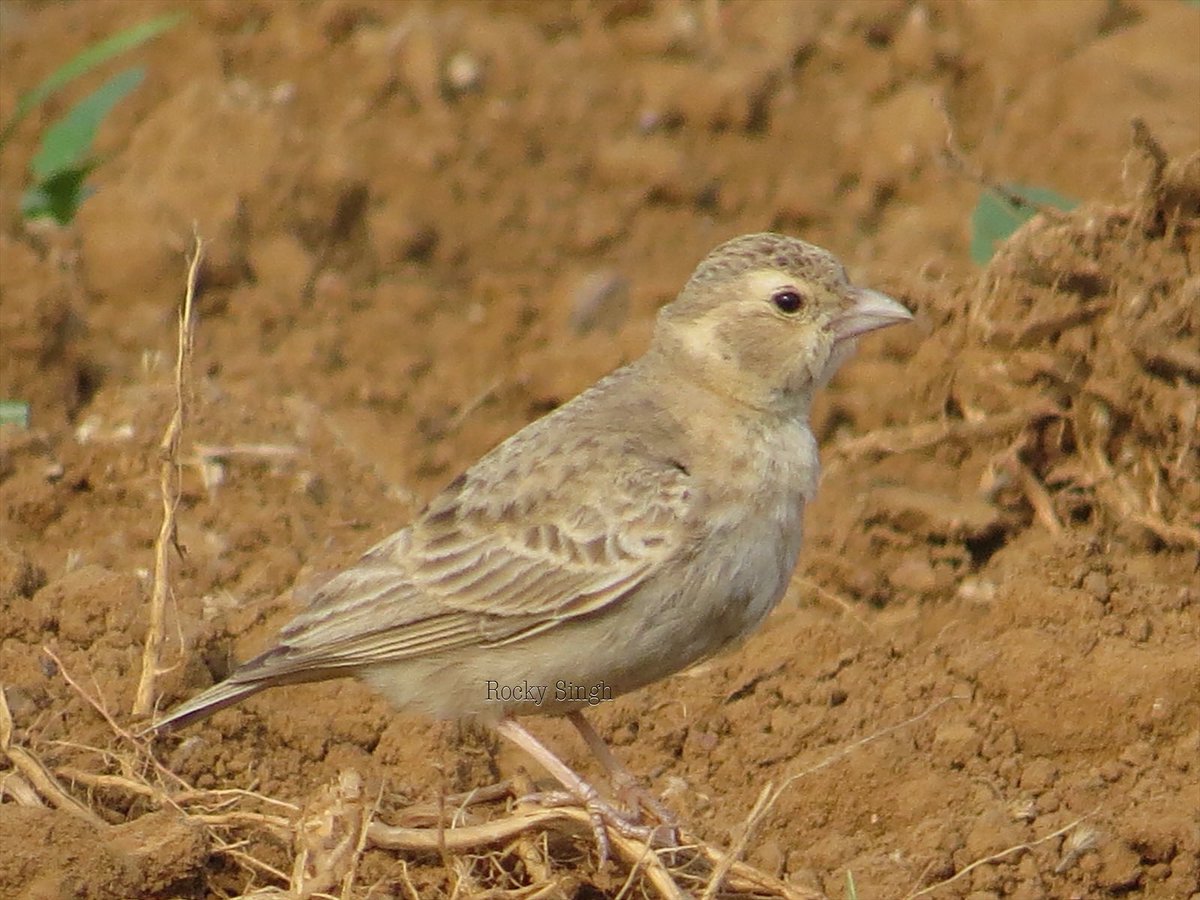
<point>112,723</point>
<point>726,866</point>
<point>525,846</point>
<point>111,782</point>
<point>1035,332</point>
<point>193,799</point>
<point>906,439</point>
<point>635,854</point>
<point>427,813</point>
<point>36,774</point>
<point>1035,492</point>
<point>1145,141</point>
<point>868,739</point>
<point>360,845</point>
<point>169,473</point>
<point>328,838</point>
<point>20,790</point>
<point>251,863</point>
<point>429,840</point>
<point>1174,534</point>
<point>632,877</point>
<point>457,840</point>
<point>957,161</point>
<point>745,879</point>
<point>406,882</point>
<point>279,824</point>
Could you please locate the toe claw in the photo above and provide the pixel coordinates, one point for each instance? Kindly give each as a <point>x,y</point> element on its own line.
<point>603,816</point>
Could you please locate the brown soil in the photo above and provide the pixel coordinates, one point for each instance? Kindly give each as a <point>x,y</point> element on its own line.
<point>409,210</point>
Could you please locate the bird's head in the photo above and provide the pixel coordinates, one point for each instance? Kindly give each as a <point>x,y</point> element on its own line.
<point>767,319</point>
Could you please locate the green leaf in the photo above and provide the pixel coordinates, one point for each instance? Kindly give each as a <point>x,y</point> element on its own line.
<point>68,142</point>
<point>14,412</point>
<point>995,218</point>
<point>84,62</point>
<point>58,197</point>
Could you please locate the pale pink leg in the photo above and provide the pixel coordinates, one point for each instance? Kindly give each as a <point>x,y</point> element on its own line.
<point>602,814</point>
<point>628,788</point>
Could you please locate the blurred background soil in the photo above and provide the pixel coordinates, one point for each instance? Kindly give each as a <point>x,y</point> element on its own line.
<point>428,224</point>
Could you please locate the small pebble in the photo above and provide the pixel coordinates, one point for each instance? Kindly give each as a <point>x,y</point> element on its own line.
<point>464,74</point>
<point>977,590</point>
<point>1096,584</point>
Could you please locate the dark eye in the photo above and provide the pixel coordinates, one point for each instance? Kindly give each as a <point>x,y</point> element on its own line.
<point>787,301</point>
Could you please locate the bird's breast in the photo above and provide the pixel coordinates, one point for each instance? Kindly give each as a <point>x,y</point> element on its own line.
<point>752,518</point>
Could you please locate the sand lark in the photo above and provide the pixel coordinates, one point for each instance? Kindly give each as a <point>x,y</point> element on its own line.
<point>643,526</point>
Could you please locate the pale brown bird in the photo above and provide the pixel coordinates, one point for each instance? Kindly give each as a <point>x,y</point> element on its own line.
<point>643,526</point>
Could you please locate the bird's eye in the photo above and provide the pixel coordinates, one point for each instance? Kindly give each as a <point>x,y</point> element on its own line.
<point>787,301</point>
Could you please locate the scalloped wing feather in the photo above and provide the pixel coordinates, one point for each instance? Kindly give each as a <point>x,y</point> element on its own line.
<point>493,560</point>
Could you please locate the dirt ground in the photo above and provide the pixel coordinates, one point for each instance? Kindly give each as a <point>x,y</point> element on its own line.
<point>427,225</point>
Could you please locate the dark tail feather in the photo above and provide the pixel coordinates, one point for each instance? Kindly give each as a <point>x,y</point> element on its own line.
<point>204,705</point>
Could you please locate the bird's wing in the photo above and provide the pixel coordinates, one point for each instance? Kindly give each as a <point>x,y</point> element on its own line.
<point>522,542</point>
<point>563,549</point>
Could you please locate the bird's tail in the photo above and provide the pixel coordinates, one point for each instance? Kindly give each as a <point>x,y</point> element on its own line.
<point>204,705</point>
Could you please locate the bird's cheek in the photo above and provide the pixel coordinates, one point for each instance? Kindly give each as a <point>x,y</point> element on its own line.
<point>798,374</point>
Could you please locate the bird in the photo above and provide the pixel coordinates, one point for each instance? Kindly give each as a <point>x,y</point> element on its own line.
<point>637,529</point>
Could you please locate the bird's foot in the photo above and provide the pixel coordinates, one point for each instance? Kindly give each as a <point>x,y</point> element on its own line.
<point>639,799</point>
<point>604,816</point>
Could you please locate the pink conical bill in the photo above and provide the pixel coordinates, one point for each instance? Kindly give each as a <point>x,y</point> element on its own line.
<point>871,310</point>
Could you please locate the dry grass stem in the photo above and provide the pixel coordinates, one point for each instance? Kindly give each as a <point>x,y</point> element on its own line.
<point>94,781</point>
<point>457,840</point>
<point>97,704</point>
<point>637,854</point>
<point>958,161</point>
<point>1035,332</point>
<point>250,451</point>
<point>910,438</point>
<point>1173,534</point>
<point>36,776</point>
<point>1078,842</point>
<point>845,751</point>
<point>251,863</point>
<point>632,878</point>
<point>531,850</point>
<point>429,813</point>
<point>21,791</point>
<point>1035,492</point>
<point>465,411</point>
<point>169,472</point>
<point>994,857</point>
<point>761,805</point>
<point>280,825</point>
<point>330,837</point>
<point>839,601</point>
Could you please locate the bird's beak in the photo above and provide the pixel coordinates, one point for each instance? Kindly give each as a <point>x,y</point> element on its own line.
<point>869,311</point>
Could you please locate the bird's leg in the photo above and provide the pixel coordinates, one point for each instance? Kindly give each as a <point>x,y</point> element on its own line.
<point>629,790</point>
<point>603,815</point>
